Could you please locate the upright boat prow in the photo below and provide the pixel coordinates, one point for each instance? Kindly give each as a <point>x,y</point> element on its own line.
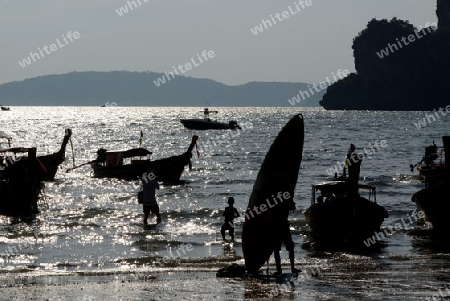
<point>52,161</point>
<point>274,186</point>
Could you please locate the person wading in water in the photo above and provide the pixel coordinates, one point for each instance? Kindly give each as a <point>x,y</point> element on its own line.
<point>230,214</point>
<point>150,184</point>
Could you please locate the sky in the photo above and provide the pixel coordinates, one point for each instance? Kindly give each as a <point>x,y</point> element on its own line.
<point>309,44</point>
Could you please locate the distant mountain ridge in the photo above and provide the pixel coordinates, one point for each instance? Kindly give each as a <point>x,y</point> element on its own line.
<point>138,89</point>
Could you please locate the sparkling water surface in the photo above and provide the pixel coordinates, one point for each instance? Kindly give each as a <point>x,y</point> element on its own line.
<point>90,226</point>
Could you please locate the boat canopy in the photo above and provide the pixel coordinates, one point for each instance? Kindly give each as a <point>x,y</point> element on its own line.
<point>338,189</point>
<point>134,152</point>
<point>336,185</point>
<point>115,158</point>
<point>329,186</point>
<point>16,150</point>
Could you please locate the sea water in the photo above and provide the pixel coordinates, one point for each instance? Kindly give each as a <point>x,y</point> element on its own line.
<point>94,227</point>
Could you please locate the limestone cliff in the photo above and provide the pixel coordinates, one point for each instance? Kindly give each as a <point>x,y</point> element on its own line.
<point>399,67</point>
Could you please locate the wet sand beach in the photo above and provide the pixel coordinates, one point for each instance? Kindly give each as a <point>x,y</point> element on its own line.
<point>338,276</point>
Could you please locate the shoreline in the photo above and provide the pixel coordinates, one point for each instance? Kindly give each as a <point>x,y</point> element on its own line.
<point>342,281</point>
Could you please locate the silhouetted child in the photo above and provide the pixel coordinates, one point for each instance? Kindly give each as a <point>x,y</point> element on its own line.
<point>230,214</point>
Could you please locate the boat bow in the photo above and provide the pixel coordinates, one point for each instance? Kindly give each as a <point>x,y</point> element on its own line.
<point>272,194</point>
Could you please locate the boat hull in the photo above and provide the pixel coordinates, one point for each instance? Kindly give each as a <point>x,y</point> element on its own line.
<point>278,174</point>
<point>435,203</point>
<point>201,124</point>
<point>432,176</point>
<point>167,169</point>
<point>20,191</point>
<point>19,200</point>
<point>49,163</point>
<point>344,220</point>
<point>434,200</point>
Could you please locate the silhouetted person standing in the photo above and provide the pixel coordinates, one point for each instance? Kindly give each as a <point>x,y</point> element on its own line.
<point>285,237</point>
<point>149,202</point>
<point>353,164</point>
<point>230,214</point>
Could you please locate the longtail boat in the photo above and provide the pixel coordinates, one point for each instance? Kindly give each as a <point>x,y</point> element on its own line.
<point>48,163</point>
<point>275,181</point>
<point>51,162</point>
<point>434,200</point>
<point>110,164</point>
<point>336,217</point>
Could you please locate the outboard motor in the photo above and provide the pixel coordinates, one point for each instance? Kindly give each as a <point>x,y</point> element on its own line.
<point>233,125</point>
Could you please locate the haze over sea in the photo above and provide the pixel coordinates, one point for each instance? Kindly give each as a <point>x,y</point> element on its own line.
<point>90,230</point>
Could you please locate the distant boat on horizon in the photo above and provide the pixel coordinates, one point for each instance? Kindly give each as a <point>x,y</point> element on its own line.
<point>207,124</point>
<point>5,108</point>
<point>109,104</point>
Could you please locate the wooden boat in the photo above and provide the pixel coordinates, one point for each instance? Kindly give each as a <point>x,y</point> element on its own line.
<point>278,175</point>
<point>110,164</point>
<point>434,200</point>
<point>48,163</point>
<point>435,203</point>
<point>335,217</point>
<point>19,186</point>
<point>51,162</point>
<point>207,124</point>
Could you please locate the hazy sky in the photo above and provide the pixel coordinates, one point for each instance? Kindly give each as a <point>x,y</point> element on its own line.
<point>306,46</point>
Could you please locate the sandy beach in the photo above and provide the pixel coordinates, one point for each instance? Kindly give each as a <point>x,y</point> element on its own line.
<point>356,278</point>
